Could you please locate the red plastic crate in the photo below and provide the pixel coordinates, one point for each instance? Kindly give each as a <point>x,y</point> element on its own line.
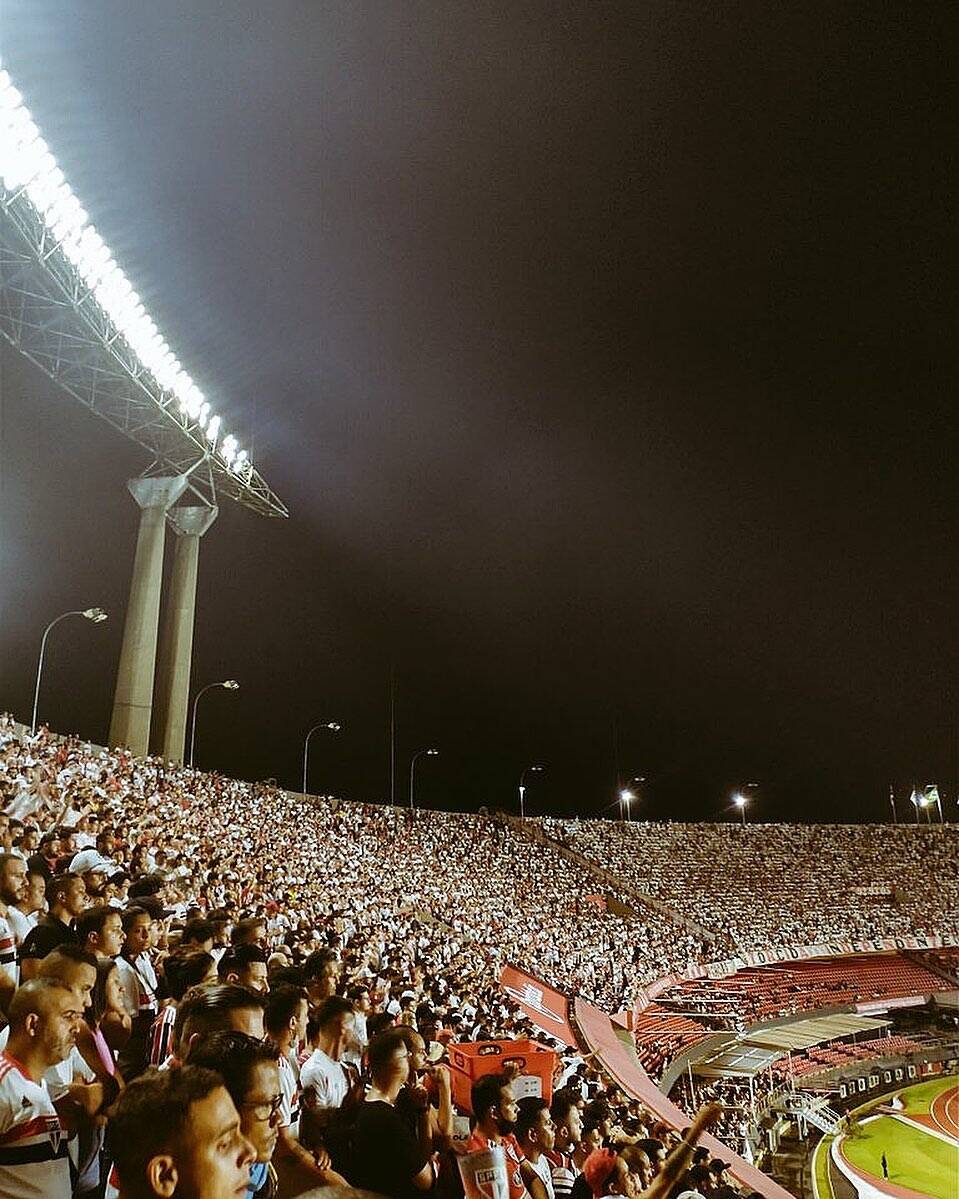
<point>470,1060</point>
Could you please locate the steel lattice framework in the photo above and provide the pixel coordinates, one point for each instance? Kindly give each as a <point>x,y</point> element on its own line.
<point>50,315</point>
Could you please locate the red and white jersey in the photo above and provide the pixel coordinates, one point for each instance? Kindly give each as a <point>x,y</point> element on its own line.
<point>290,1089</point>
<point>8,951</point>
<point>139,983</point>
<point>34,1161</point>
<point>161,1036</point>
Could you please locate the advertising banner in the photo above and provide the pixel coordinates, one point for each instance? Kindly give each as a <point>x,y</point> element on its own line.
<point>548,1009</point>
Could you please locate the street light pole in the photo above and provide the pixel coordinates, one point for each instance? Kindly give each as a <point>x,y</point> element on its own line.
<point>229,685</point>
<point>522,786</point>
<point>333,728</point>
<point>97,615</point>
<point>430,753</point>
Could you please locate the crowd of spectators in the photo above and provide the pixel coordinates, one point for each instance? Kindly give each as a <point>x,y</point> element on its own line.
<point>213,988</point>
<point>762,886</point>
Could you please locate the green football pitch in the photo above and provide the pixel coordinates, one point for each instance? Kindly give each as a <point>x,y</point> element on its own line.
<point>919,1161</point>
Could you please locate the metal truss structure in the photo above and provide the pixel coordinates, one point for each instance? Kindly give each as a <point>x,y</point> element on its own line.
<point>50,315</point>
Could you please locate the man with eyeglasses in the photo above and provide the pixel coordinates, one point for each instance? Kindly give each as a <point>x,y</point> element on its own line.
<point>251,1074</point>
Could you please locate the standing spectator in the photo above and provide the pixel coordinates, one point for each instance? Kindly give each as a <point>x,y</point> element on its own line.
<point>13,882</point>
<point>34,1162</point>
<point>245,965</point>
<point>100,931</point>
<point>323,1078</point>
<point>66,899</point>
<point>536,1135</point>
<point>177,1133</point>
<point>139,982</point>
<point>567,1122</point>
<point>495,1113</point>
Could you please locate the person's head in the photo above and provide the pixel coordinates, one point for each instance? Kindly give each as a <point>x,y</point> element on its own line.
<point>535,1130</point>
<point>321,974</point>
<point>494,1107</point>
<point>35,894</point>
<point>107,992</point>
<point>13,878</point>
<point>286,1013</point>
<point>599,1113</point>
<point>378,1021</point>
<point>197,935</point>
<point>185,970</point>
<point>608,1174</point>
<point>219,1008</point>
<point>249,932</point>
<point>176,1133</point>
<point>74,967</point>
<point>416,1046</point>
<point>100,930</point>
<point>388,1059</point>
<point>639,1164</point>
<point>137,927</point>
<point>701,1156</point>
<point>654,1149</point>
<point>359,996</point>
<point>246,965</point>
<point>333,1019</point>
<point>567,1119</point>
<point>44,1017</point>
<point>251,1073</point>
<point>106,842</point>
<point>66,896</point>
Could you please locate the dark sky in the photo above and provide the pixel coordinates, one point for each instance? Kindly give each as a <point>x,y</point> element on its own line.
<point>603,353</point>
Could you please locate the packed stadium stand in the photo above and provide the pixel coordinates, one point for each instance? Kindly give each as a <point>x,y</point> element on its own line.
<point>423,909</point>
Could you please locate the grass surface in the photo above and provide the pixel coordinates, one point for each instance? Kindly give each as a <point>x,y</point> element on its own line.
<point>916,1159</point>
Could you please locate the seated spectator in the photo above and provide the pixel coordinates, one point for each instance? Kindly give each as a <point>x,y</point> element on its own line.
<point>177,1133</point>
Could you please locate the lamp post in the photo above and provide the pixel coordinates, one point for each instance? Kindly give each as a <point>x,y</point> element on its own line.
<point>430,753</point>
<point>96,615</point>
<point>892,804</point>
<point>333,728</point>
<point>627,795</point>
<point>522,786</point>
<point>741,799</point>
<point>228,685</point>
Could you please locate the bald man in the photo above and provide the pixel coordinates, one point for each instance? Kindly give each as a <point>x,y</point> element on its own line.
<point>34,1164</point>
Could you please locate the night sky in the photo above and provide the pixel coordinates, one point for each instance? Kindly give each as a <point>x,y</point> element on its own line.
<point>605,355</point>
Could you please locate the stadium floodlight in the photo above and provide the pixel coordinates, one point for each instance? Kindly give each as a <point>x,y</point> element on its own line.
<point>227,685</point>
<point>331,726</point>
<point>55,238</point>
<point>94,615</point>
<point>740,801</point>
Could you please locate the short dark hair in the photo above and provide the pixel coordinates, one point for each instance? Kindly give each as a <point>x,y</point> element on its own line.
<point>232,1055</point>
<point>564,1100</point>
<point>93,919</point>
<point>57,887</point>
<point>197,931</point>
<point>356,991</point>
<point>129,915</point>
<point>331,1009</point>
<point>184,970</point>
<point>487,1092</point>
<point>239,957</point>
<point>71,952</point>
<point>378,1021</point>
<point>281,1005</point>
<point>244,928</point>
<point>383,1046</point>
<point>150,1115</point>
<point>149,884</point>
<point>529,1109</point>
<point>204,1008</point>
<point>316,962</point>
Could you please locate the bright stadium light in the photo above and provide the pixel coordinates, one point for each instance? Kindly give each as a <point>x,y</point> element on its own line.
<point>28,167</point>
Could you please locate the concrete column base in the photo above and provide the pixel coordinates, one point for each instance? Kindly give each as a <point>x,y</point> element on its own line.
<point>133,699</point>
<point>172,697</point>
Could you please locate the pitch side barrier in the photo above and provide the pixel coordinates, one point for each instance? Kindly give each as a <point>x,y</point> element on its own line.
<point>580,1025</point>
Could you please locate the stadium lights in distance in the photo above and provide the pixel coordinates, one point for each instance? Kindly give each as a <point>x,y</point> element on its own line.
<point>28,168</point>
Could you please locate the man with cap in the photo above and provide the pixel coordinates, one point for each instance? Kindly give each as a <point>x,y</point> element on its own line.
<point>94,869</point>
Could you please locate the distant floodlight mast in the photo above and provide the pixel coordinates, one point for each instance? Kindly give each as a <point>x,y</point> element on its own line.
<point>627,794</point>
<point>522,785</point>
<point>741,799</point>
<point>96,615</point>
<point>330,726</point>
<point>227,685</point>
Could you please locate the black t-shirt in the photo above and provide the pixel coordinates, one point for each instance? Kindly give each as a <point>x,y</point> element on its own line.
<point>385,1155</point>
<point>46,936</point>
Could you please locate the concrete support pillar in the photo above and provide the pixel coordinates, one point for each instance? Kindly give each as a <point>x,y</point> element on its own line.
<point>176,639</point>
<point>133,699</point>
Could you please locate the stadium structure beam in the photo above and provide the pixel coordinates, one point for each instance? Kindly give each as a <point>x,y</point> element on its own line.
<point>49,314</point>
